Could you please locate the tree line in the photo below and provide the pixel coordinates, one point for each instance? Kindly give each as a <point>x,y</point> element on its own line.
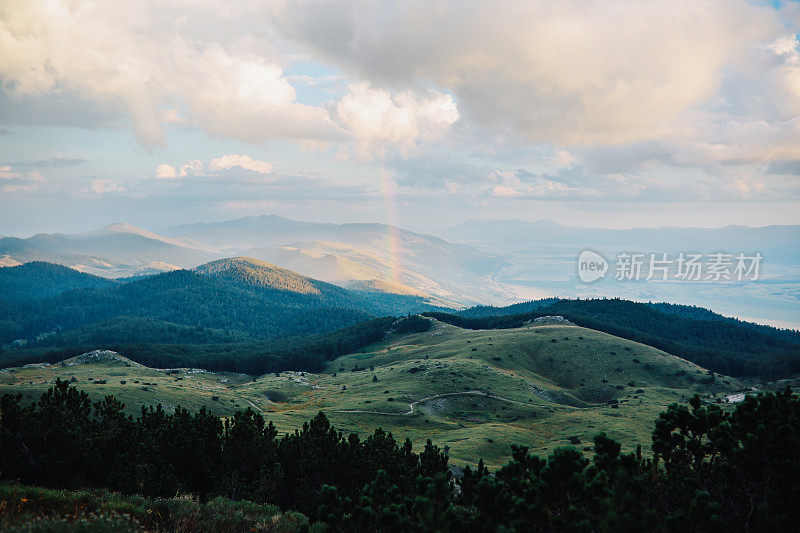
<point>726,346</point>
<point>710,469</point>
<point>302,353</point>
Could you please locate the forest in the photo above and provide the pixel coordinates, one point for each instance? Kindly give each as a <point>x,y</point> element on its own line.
<point>710,469</point>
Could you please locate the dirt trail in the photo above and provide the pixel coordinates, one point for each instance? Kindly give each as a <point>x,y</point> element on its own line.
<point>257,408</point>
<point>413,404</point>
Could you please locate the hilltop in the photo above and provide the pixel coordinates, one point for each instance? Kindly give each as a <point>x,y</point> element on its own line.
<point>38,279</point>
<point>257,273</point>
<point>720,343</point>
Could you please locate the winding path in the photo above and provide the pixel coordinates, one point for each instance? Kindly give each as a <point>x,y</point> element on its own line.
<point>413,404</point>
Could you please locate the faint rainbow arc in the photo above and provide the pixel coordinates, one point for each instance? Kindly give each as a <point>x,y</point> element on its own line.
<point>392,232</point>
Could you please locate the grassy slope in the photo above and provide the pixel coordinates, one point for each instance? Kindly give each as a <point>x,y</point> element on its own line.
<point>474,391</point>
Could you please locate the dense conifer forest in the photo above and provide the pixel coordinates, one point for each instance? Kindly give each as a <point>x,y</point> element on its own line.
<point>709,470</point>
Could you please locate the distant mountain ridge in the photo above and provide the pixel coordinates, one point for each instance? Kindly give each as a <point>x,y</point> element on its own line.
<point>115,251</point>
<point>378,257</point>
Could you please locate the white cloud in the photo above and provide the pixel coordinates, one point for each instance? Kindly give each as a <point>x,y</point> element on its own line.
<point>229,165</point>
<point>146,59</point>
<point>502,190</point>
<point>192,168</point>
<point>569,73</point>
<point>242,161</point>
<point>165,172</point>
<point>378,119</point>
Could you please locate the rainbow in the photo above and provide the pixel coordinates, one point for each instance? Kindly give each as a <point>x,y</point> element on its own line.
<point>392,233</point>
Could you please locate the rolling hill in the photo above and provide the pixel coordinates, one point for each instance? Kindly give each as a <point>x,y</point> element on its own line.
<point>724,344</point>
<point>475,392</point>
<point>378,257</point>
<point>262,277</point>
<point>357,269</point>
<point>185,298</point>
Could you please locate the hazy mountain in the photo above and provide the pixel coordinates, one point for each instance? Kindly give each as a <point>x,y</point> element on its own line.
<point>259,275</point>
<point>357,269</point>
<point>114,251</point>
<point>359,252</point>
<point>375,258</point>
<point>780,239</point>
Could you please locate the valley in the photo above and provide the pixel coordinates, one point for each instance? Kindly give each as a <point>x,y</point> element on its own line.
<point>475,392</point>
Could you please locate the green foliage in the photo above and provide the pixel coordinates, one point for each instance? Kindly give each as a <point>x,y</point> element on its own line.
<point>34,509</point>
<point>37,280</point>
<point>185,298</point>
<point>236,300</point>
<point>309,353</point>
<point>412,324</point>
<point>711,470</point>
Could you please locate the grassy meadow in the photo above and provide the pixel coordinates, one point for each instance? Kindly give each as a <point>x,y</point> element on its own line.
<point>475,392</point>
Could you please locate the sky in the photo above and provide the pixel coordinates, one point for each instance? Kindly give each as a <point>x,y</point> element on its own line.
<point>421,113</point>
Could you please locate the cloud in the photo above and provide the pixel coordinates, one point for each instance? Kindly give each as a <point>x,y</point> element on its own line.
<point>104,185</point>
<point>502,190</point>
<point>434,169</point>
<point>53,162</point>
<point>226,166</point>
<point>12,181</point>
<point>165,172</point>
<point>617,86</point>
<point>130,56</point>
<point>379,119</point>
<point>784,167</point>
<point>242,161</point>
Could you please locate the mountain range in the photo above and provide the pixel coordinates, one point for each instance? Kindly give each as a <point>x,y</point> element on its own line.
<point>497,262</point>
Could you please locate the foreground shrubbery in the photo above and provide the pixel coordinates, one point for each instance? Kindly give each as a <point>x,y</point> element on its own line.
<point>710,470</point>
<point>25,508</point>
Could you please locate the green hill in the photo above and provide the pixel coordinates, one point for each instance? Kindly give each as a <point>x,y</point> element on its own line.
<point>180,297</point>
<point>37,280</point>
<point>475,391</point>
<point>262,277</point>
<point>230,300</point>
<point>723,344</point>
<point>260,274</point>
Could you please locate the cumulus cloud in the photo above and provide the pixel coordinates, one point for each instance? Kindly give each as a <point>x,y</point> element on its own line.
<point>378,119</point>
<point>130,55</point>
<point>165,172</point>
<point>539,99</point>
<point>230,165</point>
<point>573,73</point>
<point>242,161</point>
